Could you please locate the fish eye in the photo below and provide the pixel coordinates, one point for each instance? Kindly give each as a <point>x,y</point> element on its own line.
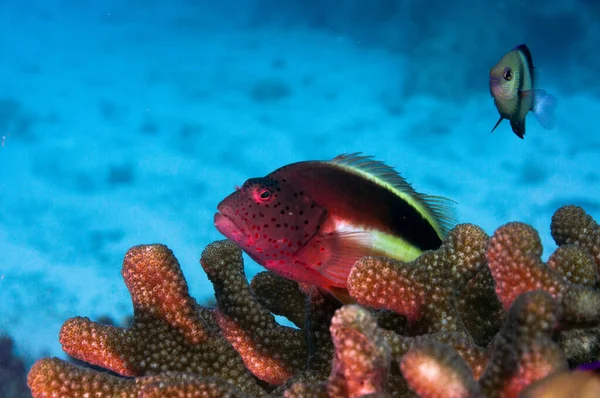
<point>265,194</point>
<point>507,74</point>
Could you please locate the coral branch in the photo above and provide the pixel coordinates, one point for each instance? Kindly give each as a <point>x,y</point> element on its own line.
<point>167,332</point>
<point>454,299</point>
<point>434,369</point>
<point>54,377</point>
<point>571,224</point>
<point>424,290</point>
<point>270,351</point>
<point>360,349</point>
<point>514,260</point>
<point>523,349</point>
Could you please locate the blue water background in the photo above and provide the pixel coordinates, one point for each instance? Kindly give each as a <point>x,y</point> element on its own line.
<point>126,122</point>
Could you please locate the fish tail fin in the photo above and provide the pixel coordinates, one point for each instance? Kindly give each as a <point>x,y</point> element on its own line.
<point>497,124</point>
<point>544,105</point>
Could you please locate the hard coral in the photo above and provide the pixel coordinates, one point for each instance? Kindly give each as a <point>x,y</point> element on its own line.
<point>360,350</point>
<point>425,290</point>
<point>168,332</point>
<point>53,377</point>
<point>571,225</point>
<point>459,340</point>
<point>274,353</point>
<point>514,260</point>
<point>523,352</point>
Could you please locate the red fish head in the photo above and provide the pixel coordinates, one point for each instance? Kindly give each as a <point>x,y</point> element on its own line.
<point>269,219</point>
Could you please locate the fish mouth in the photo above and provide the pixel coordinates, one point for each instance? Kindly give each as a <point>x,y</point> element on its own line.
<point>494,87</point>
<point>226,226</point>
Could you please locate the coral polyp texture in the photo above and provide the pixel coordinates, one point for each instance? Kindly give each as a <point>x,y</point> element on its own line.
<point>480,316</point>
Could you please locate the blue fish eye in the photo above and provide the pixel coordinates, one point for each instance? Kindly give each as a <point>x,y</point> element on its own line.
<point>507,74</point>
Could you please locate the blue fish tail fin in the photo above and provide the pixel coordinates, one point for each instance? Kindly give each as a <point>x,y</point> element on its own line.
<point>543,108</point>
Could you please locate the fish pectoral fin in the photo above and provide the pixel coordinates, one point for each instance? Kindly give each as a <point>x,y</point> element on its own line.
<point>543,108</point>
<point>345,249</point>
<point>497,124</point>
<point>525,93</point>
<point>340,294</point>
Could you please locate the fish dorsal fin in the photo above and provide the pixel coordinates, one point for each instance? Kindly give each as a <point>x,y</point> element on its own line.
<point>439,211</point>
<point>524,50</point>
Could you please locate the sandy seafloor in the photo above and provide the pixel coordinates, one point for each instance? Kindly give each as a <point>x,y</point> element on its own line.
<point>127,125</point>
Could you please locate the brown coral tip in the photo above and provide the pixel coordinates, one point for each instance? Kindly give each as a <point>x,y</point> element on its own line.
<point>572,225</point>
<point>362,355</point>
<point>475,356</point>
<point>157,286</point>
<point>433,369</point>
<point>575,264</point>
<point>514,260</point>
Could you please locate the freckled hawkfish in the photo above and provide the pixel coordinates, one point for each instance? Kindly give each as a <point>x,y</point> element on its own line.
<point>311,221</point>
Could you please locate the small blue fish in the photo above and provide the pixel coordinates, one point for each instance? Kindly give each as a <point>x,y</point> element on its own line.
<point>512,84</point>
